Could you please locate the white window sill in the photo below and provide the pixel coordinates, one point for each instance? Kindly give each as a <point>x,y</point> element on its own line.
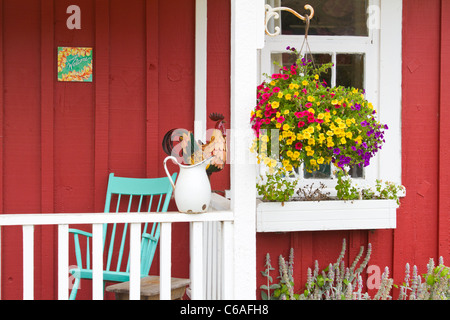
<point>325,215</point>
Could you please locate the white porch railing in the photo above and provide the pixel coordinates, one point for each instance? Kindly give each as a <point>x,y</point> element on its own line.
<point>220,215</point>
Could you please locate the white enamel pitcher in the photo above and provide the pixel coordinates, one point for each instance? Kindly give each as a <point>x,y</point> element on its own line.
<point>193,189</point>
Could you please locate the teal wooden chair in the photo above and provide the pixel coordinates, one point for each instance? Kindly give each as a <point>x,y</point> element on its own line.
<point>126,195</point>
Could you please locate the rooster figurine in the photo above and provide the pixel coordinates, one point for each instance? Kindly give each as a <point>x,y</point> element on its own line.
<point>196,151</point>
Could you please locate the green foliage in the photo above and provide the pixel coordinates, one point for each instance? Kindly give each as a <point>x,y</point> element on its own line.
<point>344,187</point>
<point>276,186</point>
<point>346,190</point>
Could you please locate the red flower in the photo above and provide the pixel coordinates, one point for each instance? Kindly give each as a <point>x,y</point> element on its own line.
<point>298,146</point>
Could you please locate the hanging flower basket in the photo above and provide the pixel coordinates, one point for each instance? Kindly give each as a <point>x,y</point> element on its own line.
<point>309,123</point>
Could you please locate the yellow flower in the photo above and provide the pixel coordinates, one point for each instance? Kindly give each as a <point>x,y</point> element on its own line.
<point>311,142</point>
<point>310,129</point>
<point>348,122</point>
<point>264,138</point>
<point>272,83</point>
<point>330,133</point>
<point>316,77</point>
<point>306,134</point>
<point>278,125</point>
<point>304,82</point>
<point>291,86</point>
<point>289,167</point>
<point>311,99</point>
<point>343,141</point>
<point>289,153</point>
<point>289,141</point>
<point>272,163</point>
<point>334,102</point>
<point>307,148</point>
<point>311,110</point>
<point>299,136</point>
<point>275,104</point>
<point>277,115</point>
<point>342,125</point>
<point>349,135</point>
<point>313,162</point>
<point>296,154</point>
<point>320,160</point>
<point>280,94</point>
<point>296,93</point>
<point>286,126</point>
<point>259,113</point>
<point>288,97</point>
<point>310,153</point>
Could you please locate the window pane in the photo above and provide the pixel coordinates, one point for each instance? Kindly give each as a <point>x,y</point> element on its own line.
<point>331,17</point>
<point>350,70</point>
<point>324,172</point>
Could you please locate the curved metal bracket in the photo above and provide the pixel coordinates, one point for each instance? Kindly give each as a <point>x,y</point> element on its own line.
<point>272,13</point>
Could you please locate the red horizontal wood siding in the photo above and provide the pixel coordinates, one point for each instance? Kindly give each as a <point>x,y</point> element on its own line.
<point>60,140</point>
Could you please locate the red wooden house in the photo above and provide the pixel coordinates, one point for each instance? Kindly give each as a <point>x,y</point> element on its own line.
<point>164,64</point>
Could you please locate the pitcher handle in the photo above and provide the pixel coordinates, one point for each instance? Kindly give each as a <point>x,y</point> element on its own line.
<point>174,160</point>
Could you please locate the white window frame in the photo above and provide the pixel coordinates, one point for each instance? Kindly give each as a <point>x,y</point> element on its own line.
<point>382,79</point>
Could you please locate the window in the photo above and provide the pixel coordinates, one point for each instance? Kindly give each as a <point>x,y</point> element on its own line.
<point>348,33</point>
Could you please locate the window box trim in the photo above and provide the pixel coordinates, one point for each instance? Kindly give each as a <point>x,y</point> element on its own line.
<point>325,215</point>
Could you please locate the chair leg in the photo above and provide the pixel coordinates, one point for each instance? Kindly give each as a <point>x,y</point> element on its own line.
<point>73,293</point>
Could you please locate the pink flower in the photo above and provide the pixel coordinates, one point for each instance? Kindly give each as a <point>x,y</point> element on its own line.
<point>301,124</point>
<point>280,119</point>
<point>276,89</point>
<point>298,146</point>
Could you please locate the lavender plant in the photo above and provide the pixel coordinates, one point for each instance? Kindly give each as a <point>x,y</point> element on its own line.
<point>435,284</point>
<point>338,282</point>
<point>265,289</point>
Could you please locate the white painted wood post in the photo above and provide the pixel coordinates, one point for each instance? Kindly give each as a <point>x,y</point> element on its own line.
<point>63,262</point>
<point>97,261</point>
<point>28,262</point>
<point>135,261</point>
<point>247,22</point>
<point>165,251</point>
<point>201,26</point>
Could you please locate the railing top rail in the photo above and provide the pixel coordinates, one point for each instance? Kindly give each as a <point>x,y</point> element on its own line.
<point>93,218</point>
